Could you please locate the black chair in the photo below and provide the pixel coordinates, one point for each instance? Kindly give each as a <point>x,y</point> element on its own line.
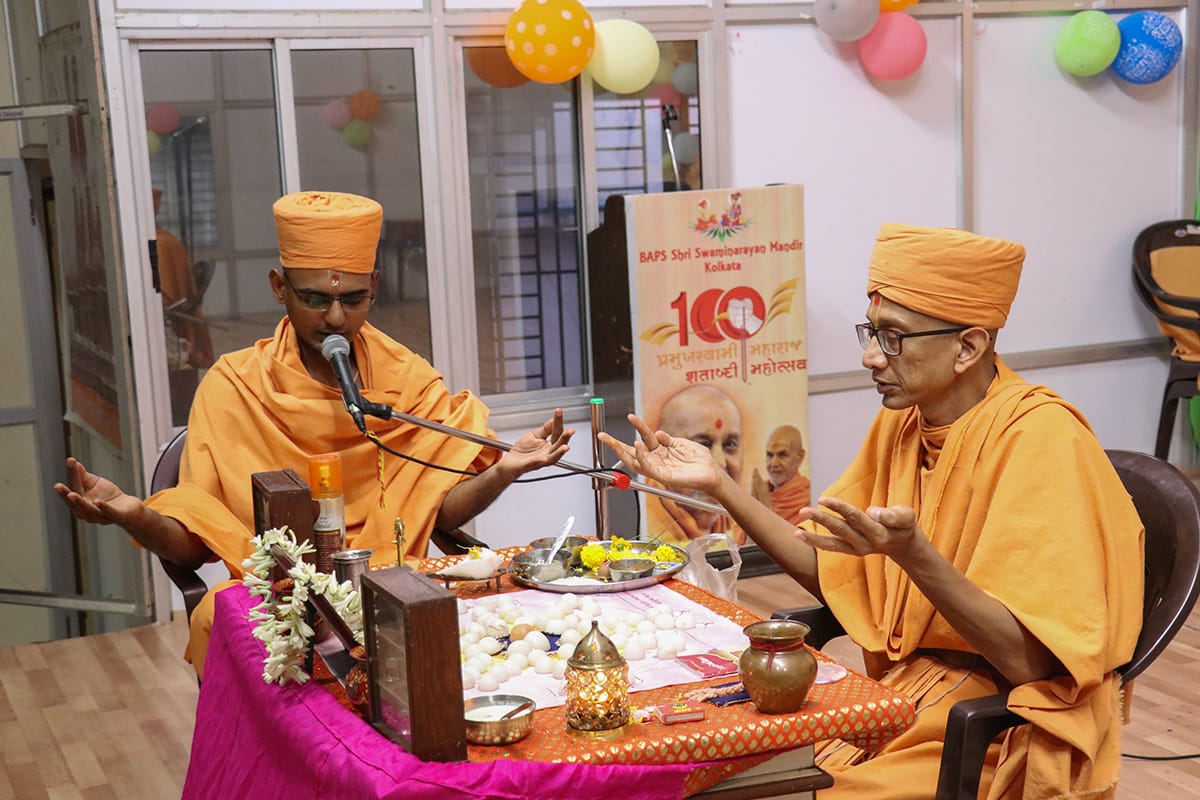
<point>1169,285</point>
<point>189,582</point>
<point>166,475</point>
<point>1169,505</point>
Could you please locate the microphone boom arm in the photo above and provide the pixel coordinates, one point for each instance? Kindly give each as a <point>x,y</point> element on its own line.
<point>496,444</point>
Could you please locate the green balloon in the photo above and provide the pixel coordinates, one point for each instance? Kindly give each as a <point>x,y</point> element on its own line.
<point>1088,43</point>
<point>356,134</point>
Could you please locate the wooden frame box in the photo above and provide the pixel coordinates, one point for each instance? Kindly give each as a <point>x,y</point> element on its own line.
<point>283,498</point>
<point>413,663</point>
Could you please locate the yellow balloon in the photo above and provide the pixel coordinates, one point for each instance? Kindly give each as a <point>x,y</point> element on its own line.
<point>895,5</point>
<point>626,57</point>
<point>153,143</point>
<point>550,41</point>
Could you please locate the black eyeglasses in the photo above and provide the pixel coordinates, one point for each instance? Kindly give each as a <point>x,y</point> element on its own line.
<point>890,341</point>
<point>319,301</point>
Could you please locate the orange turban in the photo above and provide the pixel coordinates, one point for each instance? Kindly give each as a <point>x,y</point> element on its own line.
<point>327,230</point>
<point>946,273</point>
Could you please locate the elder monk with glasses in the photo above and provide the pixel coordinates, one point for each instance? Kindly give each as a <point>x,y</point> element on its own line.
<point>274,404</point>
<point>980,539</point>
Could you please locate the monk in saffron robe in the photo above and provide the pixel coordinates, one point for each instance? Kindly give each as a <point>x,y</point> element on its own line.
<point>708,416</point>
<point>981,539</point>
<point>785,489</point>
<point>278,402</point>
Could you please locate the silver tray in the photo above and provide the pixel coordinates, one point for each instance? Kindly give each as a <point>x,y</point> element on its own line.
<point>577,570</point>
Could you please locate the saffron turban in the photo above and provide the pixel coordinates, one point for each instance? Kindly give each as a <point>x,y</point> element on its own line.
<point>946,273</point>
<point>327,230</point>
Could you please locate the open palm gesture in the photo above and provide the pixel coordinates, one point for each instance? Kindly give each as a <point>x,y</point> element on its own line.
<point>677,463</point>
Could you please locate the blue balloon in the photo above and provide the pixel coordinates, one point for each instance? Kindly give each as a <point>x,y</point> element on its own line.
<point>1150,46</point>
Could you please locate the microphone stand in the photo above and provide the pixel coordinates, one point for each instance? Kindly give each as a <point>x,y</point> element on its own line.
<point>387,412</point>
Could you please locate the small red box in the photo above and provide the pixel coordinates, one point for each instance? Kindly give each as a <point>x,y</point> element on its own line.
<point>682,711</point>
<point>713,664</point>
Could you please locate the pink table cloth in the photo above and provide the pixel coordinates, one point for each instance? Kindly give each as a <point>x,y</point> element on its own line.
<point>254,739</point>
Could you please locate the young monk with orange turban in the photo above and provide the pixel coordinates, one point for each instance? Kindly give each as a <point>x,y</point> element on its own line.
<point>981,538</point>
<point>274,404</point>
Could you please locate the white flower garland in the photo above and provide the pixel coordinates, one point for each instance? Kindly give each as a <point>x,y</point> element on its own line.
<point>280,623</point>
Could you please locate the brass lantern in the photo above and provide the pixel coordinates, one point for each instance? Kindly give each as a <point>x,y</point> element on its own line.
<point>597,684</point>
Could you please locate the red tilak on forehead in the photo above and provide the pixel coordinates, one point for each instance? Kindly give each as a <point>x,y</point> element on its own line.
<point>334,279</point>
<point>875,300</point>
<point>720,423</point>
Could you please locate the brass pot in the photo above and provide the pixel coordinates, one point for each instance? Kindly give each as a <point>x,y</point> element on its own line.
<point>777,669</point>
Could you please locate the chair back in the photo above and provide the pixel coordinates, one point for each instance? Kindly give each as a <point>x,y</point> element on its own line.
<point>166,475</point>
<point>1169,505</point>
<point>166,471</point>
<point>1166,271</point>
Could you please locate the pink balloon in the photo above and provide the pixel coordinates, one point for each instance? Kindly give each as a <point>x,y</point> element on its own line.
<point>666,95</point>
<point>894,48</point>
<point>336,113</point>
<point>162,117</point>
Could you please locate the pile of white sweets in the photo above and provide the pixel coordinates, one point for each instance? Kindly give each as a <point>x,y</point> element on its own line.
<point>486,663</point>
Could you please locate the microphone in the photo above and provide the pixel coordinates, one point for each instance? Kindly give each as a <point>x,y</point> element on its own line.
<point>337,350</point>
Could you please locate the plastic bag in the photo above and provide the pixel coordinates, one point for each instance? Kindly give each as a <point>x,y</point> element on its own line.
<point>698,572</point>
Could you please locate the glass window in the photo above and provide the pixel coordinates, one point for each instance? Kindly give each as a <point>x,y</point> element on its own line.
<point>214,165</point>
<point>523,150</point>
<point>356,130</point>
<point>650,141</point>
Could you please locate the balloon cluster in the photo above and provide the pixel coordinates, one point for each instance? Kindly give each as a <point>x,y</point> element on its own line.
<point>552,41</point>
<point>891,44</point>
<point>1142,48</point>
<point>352,116</point>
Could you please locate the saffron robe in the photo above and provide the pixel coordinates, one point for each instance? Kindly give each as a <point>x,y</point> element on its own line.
<point>668,521</point>
<point>1023,500</point>
<point>258,410</point>
<point>793,495</point>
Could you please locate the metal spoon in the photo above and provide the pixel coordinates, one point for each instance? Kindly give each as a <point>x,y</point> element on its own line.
<point>513,712</point>
<point>562,537</point>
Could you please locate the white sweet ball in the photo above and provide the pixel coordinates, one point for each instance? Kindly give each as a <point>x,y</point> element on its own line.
<point>555,627</point>
<point>470,637</point>
<point>685,620</point>
<point>667,653</point>
<point>619,639</point>
<point>524,619</point>
<point>471,650</point>
<point>510,615</point>
<point>590,606</point>
<point>664,622</point>
<point>570,600</point>
<point>537,640</point>
<point>487,683</point>
<point>584,626</point>
<point>660,608</point>
<point>519,659</point>
<point>646,626</point>
<point>520,648</point>
<point>572,619</point>
<point>501,673</point>
<point>514,669</point>
<point>489,602</point>
<point>559,668</point>
<point>632,618</point>
<point>490,645</point>
<point>544,667</point>
<point>462,605</point>
<point>569,636</point>
<point>539,620</point>
<point>537,657</point>
<point>648,641</point>
<point>634,651</point>
<point>565,651</point>
<point>476,628</point>
<point>468,679</point>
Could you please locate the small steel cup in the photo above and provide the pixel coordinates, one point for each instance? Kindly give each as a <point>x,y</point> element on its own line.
<point>349,565</point>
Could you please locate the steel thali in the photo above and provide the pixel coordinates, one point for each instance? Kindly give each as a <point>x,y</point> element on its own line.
<point>595,585</point>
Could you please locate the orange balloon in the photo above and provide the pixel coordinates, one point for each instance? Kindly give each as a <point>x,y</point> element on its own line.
<point>493,66</point>
<point>364,104</point>
<point>550,41</point>
<point>895,5</point>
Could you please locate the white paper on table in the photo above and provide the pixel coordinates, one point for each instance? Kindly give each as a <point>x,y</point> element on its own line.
<point>711,632</point>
